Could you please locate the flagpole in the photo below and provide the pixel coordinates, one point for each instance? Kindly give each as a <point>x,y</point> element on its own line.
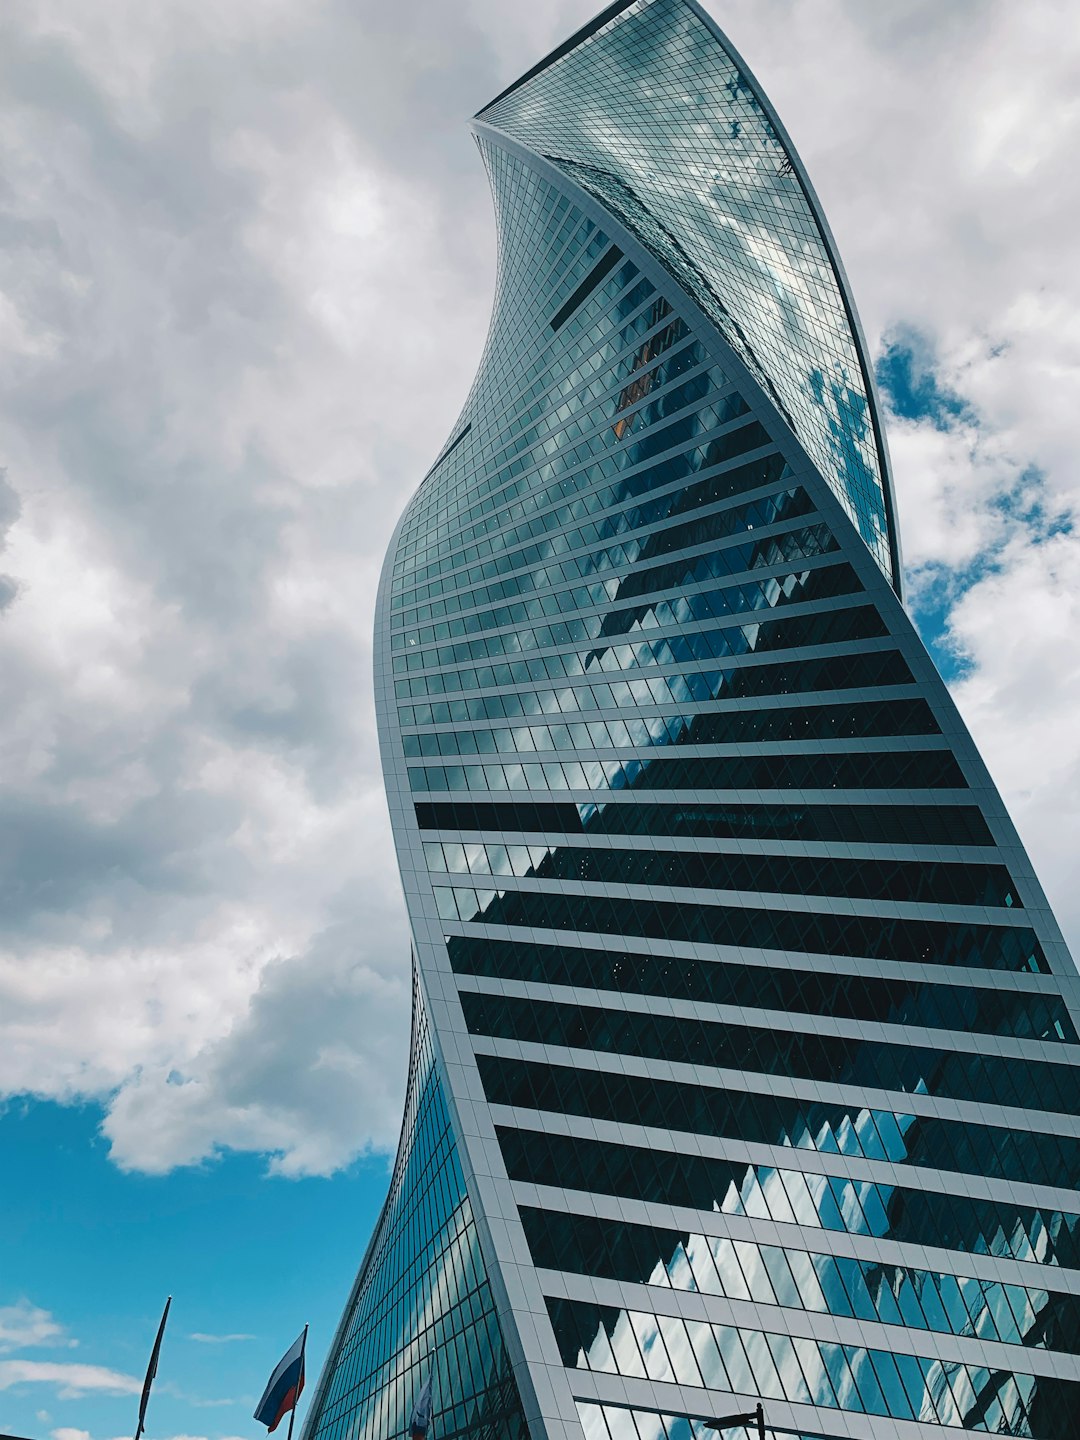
<point>303,1376</point>
<point>151,1371</point>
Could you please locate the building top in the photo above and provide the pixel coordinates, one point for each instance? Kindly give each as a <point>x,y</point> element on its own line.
<point>650,110</point>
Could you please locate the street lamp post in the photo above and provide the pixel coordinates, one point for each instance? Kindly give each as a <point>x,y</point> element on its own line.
<point>752,1417</point>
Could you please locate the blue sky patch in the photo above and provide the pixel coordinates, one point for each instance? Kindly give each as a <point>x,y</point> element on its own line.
<point>910,387</point>
<point>247,1258</point>
<point>913,390</point>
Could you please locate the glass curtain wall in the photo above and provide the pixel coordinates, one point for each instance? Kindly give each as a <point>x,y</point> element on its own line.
<point>747,1045</point>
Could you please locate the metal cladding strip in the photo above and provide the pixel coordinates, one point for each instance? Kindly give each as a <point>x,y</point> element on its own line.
<point>645,522</point>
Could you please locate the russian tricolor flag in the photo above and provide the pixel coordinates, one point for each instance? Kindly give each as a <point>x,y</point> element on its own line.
<point>284,1386</point>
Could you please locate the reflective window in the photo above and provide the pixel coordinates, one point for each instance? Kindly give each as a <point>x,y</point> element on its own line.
<point>823,582</point>
<point>654,118</point>
<point>801,1279</point>
<point>711,527</point>
<point>864,1063</point>
<point>848,770</point>
<point>856,671</point>
<point>930,942</point>
<point>843,1377</point>
<point>938,883</point>
<point>860,824</point>
<point>763,553</point>
<point>952,1145</point>
<point>826,628</point>
<point>901,1001</point>
<point>718,414</point>
<point>856,720</point>
<point>825,1202</point>
<point>423,1306</point>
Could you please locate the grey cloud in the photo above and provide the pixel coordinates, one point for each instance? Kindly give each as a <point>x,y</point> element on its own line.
<point>55,860</point>
<point>10,504</point>
<point>324,1040</point>
<point>246,278</point>
<point>10,509</point>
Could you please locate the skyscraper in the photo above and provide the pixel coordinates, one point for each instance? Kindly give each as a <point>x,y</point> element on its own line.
<point>744,1057</point>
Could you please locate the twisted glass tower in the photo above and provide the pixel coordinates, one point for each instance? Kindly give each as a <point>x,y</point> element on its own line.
<point>745,1051</point>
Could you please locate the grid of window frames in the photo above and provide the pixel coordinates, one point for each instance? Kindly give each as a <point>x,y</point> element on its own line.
<point>811,1199</point>
<point>827,1058</point>
<point>970,1009</point>
<point>863,879</point>
<point>740,236</point>
<point>799,1279</point>
<point>615,610</point>
<point>833,1376</point>
<point>423,1307</point>
<point>536,658</point>
<point>763,1117</point>
<point>858,720</point>
<point>883,937</point>
<point>897,824</point>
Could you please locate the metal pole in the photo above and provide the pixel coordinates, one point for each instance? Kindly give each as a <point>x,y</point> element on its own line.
<point>303,1367</point>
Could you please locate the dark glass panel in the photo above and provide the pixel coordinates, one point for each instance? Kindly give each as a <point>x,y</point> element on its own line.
<point>858,824</point>
<point>763,553</point>
<point>862,1063</point>
<point>864,770</point>
<point>947,1145</point>
<point>872,1382</point>
<point>600,270</point>
<point>930,882</point>
<point>860,770</point>
<point>831,672</point>
<point>992,1011</point>
<point>866,720</point>
<point>827,627</point>
<point>928,942</point>
<point>889,1294</point>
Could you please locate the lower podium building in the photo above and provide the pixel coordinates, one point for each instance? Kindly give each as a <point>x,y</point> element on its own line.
<point>745,1055</point>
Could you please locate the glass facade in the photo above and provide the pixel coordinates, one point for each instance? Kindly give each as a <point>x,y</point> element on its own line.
<point>422,1305</point>
<point>655,117</point>
<point>745,1057</point>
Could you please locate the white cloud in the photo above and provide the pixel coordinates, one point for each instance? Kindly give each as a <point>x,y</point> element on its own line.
<point>70,1380</point>
<point>199,1437</point>
<point>191,1437</point>
<point>67,1432</point>
<point>24,1324</point>
<point>241,331</point>
<point>218,1339</point>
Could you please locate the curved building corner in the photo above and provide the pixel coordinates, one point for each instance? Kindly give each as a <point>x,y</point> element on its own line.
<point>745,1053</point>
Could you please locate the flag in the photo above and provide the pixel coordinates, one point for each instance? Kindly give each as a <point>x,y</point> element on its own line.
<point>284,1387</point>
<point>151,1370</point>
<point>421,1415</point>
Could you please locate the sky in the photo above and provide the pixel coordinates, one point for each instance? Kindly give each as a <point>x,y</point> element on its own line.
<point>246,262</point>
